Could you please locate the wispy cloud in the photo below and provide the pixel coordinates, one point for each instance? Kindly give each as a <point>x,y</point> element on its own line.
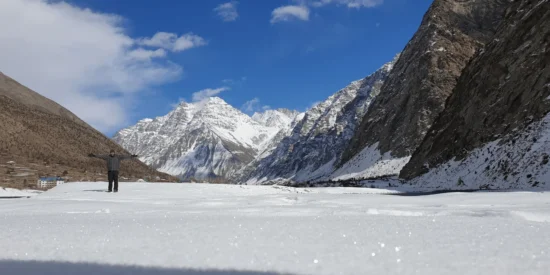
<point>287,13</point>
<point>171,41</point>
<point>301,10</point>
<point>228,11</point>
<point>254,105</point>
<point>238,81</point>
<point>207,93</point>
<point>348,3</point>
<point>81,58</point>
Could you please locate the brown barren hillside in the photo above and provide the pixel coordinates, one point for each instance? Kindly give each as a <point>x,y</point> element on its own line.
<point>39,137</point>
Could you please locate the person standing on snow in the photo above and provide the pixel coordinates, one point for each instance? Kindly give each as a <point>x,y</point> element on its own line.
<point>113,165</point>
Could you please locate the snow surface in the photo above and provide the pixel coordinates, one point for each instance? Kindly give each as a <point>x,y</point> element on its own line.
<point>370,163</point>
<point>519,160</point>
<point>10,192</point>
<point>150,228</point>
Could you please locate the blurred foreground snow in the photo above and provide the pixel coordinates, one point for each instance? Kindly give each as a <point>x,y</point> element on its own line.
<point>152,228</point>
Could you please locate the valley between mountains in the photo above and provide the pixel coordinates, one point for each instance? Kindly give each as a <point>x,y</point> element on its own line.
<point>463,106</point>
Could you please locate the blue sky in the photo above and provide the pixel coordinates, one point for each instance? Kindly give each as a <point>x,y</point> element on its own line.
<point>258,49</point>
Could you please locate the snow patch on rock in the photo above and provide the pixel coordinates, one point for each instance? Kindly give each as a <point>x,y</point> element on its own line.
<point>516,161</point>
<point>370,163</point>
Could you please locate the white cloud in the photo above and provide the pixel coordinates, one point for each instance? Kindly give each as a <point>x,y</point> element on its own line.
<point>80,58</point>
<point>348,3</point>
<point>228,11</point>
<point>171,41</point>
<point>254,105</point>
<point>287,13</point>
<point>301,10</point>
<point>206,93</point>
<point>143,54</point>
<point>251,105</point>
<point>188,41</point>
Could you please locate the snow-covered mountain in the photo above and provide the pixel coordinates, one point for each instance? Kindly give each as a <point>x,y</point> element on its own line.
<point>318,139</point>
<point>280,118</point>
<point>204,140</point>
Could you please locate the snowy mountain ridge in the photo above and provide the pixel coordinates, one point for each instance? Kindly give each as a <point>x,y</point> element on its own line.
<point>211,139</point>
<point>316,142</point>
<point>280,118</point>
<point>204,140</point>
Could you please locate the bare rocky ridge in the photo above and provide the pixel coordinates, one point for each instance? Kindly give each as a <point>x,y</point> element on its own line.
<point>42,138</point>
<point>424,76</point>
<point>504,89</point>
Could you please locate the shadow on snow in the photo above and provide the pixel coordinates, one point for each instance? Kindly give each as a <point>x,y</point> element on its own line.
<point>55,268</point>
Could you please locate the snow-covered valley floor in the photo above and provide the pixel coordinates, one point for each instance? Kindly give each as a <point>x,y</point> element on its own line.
<point>226,229</point>
<point>16,193</point>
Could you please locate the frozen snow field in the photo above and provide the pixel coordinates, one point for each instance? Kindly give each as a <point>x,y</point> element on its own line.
<point>16,193</point>
<point>150,228</point>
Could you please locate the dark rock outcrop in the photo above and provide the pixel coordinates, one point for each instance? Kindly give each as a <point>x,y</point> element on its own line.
<point>426,73</point>
<point>503,89</point>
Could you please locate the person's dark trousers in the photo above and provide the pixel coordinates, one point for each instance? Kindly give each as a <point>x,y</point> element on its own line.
<point>113,176</point>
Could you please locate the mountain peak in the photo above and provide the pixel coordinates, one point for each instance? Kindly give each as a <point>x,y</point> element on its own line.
<point>216,100</point>
<point>203,140</point>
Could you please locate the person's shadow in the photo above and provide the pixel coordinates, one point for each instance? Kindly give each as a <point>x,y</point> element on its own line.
<point>57,268</point>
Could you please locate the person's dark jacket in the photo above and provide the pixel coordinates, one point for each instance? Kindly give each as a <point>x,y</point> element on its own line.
<point>113,162</point>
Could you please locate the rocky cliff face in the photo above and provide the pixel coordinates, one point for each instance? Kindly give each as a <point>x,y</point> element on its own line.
<point>423,78</point>
<point>318,139</point>
<point>491,131</point>
<point>208,140</point>
<point>44,139</point>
